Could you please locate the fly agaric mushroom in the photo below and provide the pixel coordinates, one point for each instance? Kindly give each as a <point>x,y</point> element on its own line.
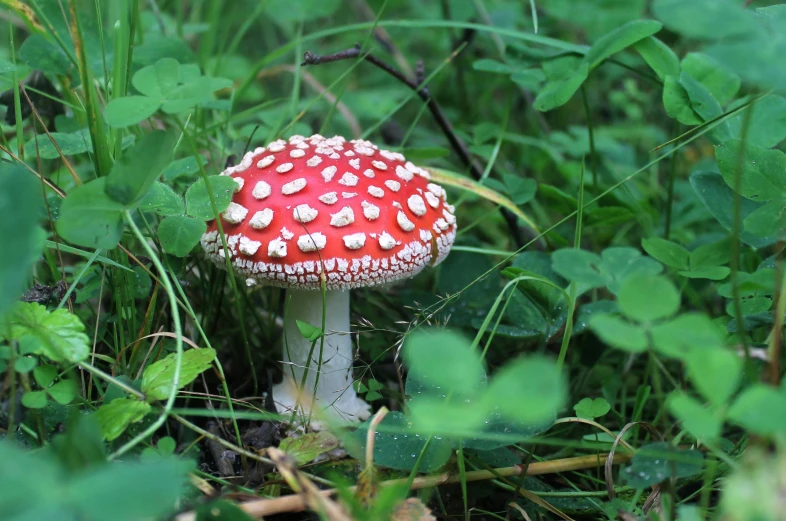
<point>312,208</point>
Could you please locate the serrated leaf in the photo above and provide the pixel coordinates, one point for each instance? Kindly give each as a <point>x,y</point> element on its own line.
<point>198,200</point>
<point>58,335</point>
<point>308,446</point>
<point>157,378</point>
<point>179,234</point>
<point>115,417</point>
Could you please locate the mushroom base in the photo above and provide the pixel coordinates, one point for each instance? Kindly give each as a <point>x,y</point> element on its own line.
<point>330,396</point>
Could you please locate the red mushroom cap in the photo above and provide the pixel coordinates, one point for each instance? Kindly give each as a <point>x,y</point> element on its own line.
<point>362,215</point>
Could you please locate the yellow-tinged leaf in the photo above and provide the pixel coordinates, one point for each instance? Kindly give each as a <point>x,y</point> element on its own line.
<point>25,13</point>
<point>446,177</point>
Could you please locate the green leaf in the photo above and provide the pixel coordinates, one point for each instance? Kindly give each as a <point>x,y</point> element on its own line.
<point>39,53</point>
<point>647,298</point>
<point>129,110</point>
<point>44,375</point>
<point>677,102</point>
<point>179,234</point>
<point>375,385</point>
<point>718,197</point>
<point>223,510</point>
<point>580,266</point>
<point>657,462</point>
<point>695,418</point>
<point>184,166</point>
<point>557,93</point>
<point>157,378</point>
<point>712,273</point>
<point>444,358</point>
<point>162,200</point>
<point>197,92</point>
<point>158,80</point>
<point>658,56</point>
<point>115,417</point>
<point>707,19</point>
<point>88,217</point>
<point>34,399</point>
<point>759,409</point>
<point>25,364</point>
<point>768,220</point>
<point>703,103</point>
<point>63,392</point>
<point>618,333</point>
<point>720,82</point>
<point>767,125</point>
<point>711,255</point>
<point>58,334</point>
<point>530,390</point>
<point>286,12</point>
<point>306,447</point>
<point>520,189</point>
<point>309,332</point>
<point>763,171</point>
<point>489,65</point>
<point>716,373</point>
<point>685,333</point>
<point>20,213</point>
<point>591,409</point>
<point>138,168</point>
<point>619,39</point>
<point>669,253</point>
<point>198,200</point>
<point>69,144</point>
<point>397,445</point>
<point>431,415</point>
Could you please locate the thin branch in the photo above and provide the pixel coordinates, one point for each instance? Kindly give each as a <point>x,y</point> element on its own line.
<point>459,147</point>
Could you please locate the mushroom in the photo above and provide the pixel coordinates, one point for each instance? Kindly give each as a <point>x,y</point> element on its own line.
<point>312,209</point>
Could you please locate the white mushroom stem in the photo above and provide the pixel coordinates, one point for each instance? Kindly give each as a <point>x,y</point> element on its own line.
<point>332,392</point>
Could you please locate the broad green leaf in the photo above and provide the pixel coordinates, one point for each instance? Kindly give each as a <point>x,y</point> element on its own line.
<point>129,110</point>
<point>489,65</point>
<point>198,200</point>
<point>556,93</point>
<point>285,12</point>
<point>531,79</point>
<point>595,17</point>
<point>39,53</point>
<point>707,19</point>
<point>20,213</point>
<point>398,445</point>
<point>309,332</point>
<point>34,399</point>
<point>647,298</point>
<point>306,447</point>
<point>115,417</point>
<point>618,333</point>
<point>622,262</point>
<point>197,92</point>
<point>619,39</point>
<point>25,364</point>
<point>444,358</point>
<point>184,166</point>
<point>448,178</point>
<point>677,102</point>
<point>58,334</point>
<point>710,273</point>
<point>44,375</point>
<point>658,56</point>
<point>768,220</point>
<point>767,125</point>
<point>139,167</point>
<point>498,431</point>
<point>687,332</point>
<point>711,255</point>
<point>63,392</point>
<point>454,417</point>
<point>529,390</point>
<point>703,103</point>
<point>695,418</point>
<point>6,67</point>
<point>156,48</point>
<point>157,378</point>
<point>759,409</point>
<point>669,253</point>
<point>580,266</point>
<point>162,200</point>
<point>159,79</point>
<point>179,234</point>
<point>718,197</point>
<point>716,373</point>
<point>520,189</point>
<point>763,171</point>
<point>69,144</point>
<point>88,217</point>
<point>659,461</point>
<point>721,83</point>
<point>592,408</point>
